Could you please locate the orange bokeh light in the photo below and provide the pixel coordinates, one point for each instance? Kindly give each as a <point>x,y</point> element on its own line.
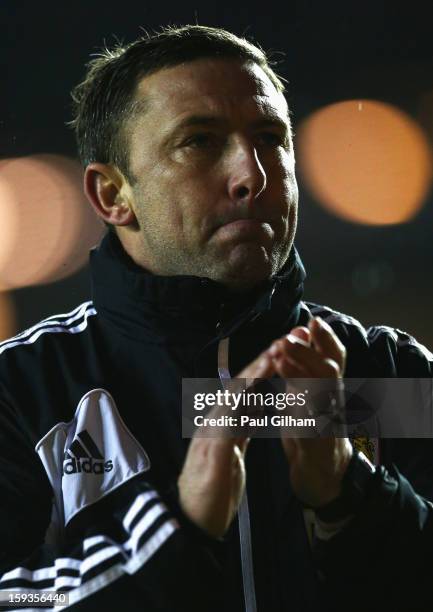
<point>47,226</point>
<point>365,161</point>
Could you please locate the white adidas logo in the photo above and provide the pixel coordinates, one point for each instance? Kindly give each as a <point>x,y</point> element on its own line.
<point>84,456</point>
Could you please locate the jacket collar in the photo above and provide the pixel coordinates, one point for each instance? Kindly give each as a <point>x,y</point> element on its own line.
<point>143,305</point>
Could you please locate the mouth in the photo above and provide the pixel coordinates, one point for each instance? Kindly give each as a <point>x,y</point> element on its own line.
<point>241,223</point>
<point>245,228</point>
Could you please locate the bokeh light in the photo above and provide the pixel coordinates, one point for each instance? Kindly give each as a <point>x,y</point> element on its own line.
<point>47,225</point>
<point>365,161</point>
<point>8,322</point>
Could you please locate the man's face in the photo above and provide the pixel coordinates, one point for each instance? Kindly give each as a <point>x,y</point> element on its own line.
<point>211,153</point>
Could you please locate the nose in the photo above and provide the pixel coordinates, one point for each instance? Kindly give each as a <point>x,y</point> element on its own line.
<point>247,177</point>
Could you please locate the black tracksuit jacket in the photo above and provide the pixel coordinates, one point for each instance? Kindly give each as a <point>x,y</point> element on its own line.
<point>91,449</point>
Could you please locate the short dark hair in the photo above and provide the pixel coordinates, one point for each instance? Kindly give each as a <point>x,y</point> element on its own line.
<point>103,101</point>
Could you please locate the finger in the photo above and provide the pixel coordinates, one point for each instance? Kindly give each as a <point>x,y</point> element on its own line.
<point>303,333</point>
<point>307,358</point>
<point>286,368</point>
<point>220,452</point>
<point>327,342</point>
<point>261,367</point>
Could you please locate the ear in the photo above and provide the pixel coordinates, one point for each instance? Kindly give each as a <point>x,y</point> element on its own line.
<point>109,193</point>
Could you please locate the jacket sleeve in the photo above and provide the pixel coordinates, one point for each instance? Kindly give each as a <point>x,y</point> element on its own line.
<point>383,557</point>
<point>132,548</point>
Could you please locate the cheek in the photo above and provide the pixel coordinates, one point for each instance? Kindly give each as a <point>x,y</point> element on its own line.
<point>282,179</point>
<point>292,188</point>
<point>280,163</point>
<point>181,199</point>
<point>289,178</point>
<point>184,210</point>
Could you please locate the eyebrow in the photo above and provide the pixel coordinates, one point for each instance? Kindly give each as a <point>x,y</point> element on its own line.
<point>275,121</point>
<point>199,120</point>
<point>211,121</point>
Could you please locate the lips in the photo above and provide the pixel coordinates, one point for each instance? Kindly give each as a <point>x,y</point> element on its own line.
<point>243,223</point>
<point>238,218</point>
<point>245,228</point>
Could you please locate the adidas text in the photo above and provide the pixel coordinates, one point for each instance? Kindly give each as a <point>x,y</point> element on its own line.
<point>89,466</point>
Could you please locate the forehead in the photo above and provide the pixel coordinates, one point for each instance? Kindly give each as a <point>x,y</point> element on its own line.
<point>223,87</point>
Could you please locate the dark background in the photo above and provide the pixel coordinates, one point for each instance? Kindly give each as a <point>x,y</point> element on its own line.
<point>333,51</point>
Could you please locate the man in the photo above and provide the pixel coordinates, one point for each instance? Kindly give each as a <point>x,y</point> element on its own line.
<point>186,141</point>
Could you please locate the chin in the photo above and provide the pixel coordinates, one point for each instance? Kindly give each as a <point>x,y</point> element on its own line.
<point>248,265</point>
<point>245,275</point>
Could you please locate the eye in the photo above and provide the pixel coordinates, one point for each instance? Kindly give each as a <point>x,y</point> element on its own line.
<point>271,139</point>
<point>201,140</point>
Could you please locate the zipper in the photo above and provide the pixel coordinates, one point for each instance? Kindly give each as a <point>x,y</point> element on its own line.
<point>243,512</point>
